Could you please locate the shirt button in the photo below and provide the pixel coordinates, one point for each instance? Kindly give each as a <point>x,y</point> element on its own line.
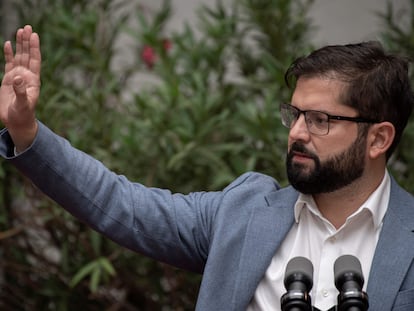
<point>325,293</point>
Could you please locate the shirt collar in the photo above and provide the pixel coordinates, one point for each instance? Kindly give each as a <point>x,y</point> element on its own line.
<point>376,204</point>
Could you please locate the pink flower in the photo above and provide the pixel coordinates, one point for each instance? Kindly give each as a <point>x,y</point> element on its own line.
<point>149,56</point>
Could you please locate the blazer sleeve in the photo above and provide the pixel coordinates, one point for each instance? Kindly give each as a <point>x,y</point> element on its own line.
<point>173,228</point>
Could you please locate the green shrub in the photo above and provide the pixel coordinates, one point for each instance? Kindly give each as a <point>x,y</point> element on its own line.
<point>398,36</point>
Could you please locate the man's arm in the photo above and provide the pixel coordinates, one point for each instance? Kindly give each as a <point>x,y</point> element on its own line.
<point>20,88</point>
<point>166,227</point>
<point>173,228</point>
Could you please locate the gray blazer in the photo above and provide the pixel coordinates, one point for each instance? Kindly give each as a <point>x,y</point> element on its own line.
<point>230,236</point>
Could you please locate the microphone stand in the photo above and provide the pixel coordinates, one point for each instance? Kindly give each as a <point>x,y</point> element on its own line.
<point>349,301</point>
<point>296,301</point>
<point>352,301</point>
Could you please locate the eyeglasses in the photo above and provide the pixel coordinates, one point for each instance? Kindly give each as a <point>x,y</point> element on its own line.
<point>317,122</point>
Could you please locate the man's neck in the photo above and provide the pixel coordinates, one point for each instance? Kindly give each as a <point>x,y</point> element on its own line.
<point>337,206</point>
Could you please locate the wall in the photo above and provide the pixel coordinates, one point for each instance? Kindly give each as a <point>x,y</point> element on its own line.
<point>336,21</point>
<point>341,21</point>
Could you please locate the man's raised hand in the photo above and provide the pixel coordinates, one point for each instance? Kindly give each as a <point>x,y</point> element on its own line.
<point>20,87</point>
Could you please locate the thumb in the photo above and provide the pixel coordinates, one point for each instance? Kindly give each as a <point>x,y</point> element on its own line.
<point>19,87</point>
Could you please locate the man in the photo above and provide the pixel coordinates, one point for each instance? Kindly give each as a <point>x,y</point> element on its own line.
<point>347,113</point>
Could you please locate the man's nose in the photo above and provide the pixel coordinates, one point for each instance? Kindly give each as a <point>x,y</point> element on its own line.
<point>299,130</point>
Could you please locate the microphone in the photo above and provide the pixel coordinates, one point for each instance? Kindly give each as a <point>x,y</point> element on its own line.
<point>349,281</point>
<point>298,283</point>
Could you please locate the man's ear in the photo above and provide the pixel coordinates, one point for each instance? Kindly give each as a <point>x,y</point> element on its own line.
<point>380,137</point>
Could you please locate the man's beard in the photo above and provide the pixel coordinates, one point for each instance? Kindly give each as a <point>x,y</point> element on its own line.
<point>333,174</point>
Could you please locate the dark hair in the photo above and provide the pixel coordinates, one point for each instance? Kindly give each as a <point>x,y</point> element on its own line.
<point>377,83</point>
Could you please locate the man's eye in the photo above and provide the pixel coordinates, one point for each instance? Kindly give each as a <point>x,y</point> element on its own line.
<point>318,120</point>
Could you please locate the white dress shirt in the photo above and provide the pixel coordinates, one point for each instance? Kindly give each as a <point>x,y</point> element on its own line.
<point>314,237</point>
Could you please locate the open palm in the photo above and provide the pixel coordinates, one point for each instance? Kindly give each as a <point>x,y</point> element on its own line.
<point>20,87</point>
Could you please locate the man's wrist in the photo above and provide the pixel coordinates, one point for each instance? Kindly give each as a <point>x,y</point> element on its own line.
<point>23,139</point>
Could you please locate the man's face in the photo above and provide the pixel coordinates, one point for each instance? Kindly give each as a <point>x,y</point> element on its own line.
<point>320,164</point>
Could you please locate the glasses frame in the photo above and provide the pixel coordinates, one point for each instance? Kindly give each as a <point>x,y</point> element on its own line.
<point>329,117</point>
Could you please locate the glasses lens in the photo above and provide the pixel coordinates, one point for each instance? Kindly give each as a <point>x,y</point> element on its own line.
<point>317,122</point>
<point>288,115</point>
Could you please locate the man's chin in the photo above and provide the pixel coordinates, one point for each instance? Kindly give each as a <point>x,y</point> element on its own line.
<point>302,170</point>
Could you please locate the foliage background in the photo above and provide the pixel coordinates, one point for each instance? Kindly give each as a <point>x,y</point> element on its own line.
<point>190,111</point>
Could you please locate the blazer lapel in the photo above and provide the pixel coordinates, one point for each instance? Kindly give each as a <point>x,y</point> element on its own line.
<point>394,252</point>
<point>266,230</point>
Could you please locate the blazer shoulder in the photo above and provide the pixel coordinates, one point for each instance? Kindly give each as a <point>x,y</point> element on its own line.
<point>254,180</point>
<point>402,203</point>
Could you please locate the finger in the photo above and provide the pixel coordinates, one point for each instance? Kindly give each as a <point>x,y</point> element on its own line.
<point>19,89</point>
<point>35,55</point>
<point>25,57</point>
<point>19,38</point>
<point>8,56</point>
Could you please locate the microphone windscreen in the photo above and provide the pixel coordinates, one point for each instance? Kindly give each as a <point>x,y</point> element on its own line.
<point>299,269</point>
<point>347,267</point>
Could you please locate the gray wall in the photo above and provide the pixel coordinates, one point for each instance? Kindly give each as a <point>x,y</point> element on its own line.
<point>336,21</point>
<point>347,21</point>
